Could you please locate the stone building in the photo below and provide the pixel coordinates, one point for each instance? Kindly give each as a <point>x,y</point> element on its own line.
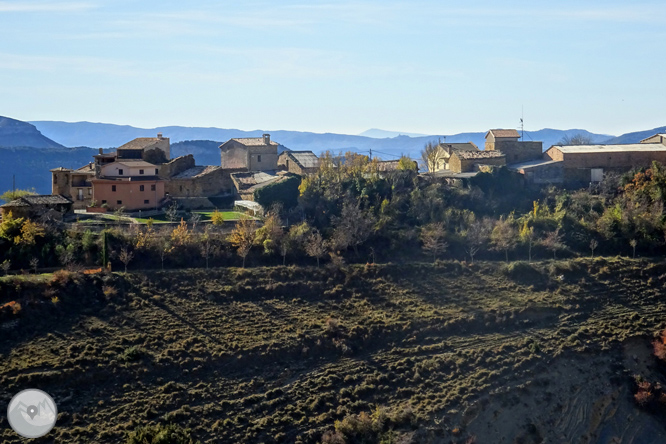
<point>515,150</point>
<point>152,149</point>
<point>249,154</point>
<point>579,165</point>
<point>445,150</point>
<point>248,182</point>
<point>35,206</point>
<point>299,162</point>
<point>471,161</point>
<point>75,185</point>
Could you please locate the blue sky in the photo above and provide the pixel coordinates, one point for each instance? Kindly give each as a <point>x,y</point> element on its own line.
<point>434,67</point>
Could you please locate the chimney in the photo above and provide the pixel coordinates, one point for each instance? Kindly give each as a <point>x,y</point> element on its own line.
<point>267,139</point>
<point>101,151</point>
<point>159,135</point>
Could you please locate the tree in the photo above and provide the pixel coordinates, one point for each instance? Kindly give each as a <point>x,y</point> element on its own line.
<point>10,195</point>
<point>172,212</point>
<point>432,236</point>
<point>29,232</point>
<point>528,236</point>
<point>553,242</point>
<point>217,218</point>
<point>315,246</point>
<point>195,218</point>
<point>593,245</point>
<point>633,243</point>
<point>207,244</point>
<point>353,227</point>
<point>6,266</point>
<point>576,139</point>
<point>120,214</point>
<point>431,156</point>
<point>34,263</point>
<point>476,235</point>
<point>165,247</point>
<point>181,235</point>
<point>503,237</point>
<point>270,234</point>
<point>406,164</point>
<point>243,236</point>
<point>125,256</point>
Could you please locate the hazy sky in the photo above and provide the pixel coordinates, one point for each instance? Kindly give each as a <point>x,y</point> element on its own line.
<point>434,67</point>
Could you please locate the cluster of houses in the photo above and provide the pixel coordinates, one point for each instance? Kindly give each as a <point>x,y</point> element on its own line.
<point>141,175</point>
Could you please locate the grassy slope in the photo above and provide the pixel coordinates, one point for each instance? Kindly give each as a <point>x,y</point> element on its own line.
<point>251,355</point>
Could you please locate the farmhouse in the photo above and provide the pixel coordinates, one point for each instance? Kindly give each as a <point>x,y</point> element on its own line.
<point>514,150</point>
<point>35,206</point>
<point>584,164</point>
<point>445,150</point>
<point>472,161</point>
<point>249,154</point>
<point>299,162</point>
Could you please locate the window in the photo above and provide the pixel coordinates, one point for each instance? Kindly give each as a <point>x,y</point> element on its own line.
<point>89,191</point>
<point>156,171</point>
<point>258,157</point>
<point>119,202</point>
<point>140,171</point>
<point>55,179</point>
<point>113,188</point>
<point>152,188</point>
<point>120,172</point>
<point>181,188</point>
<point>80,194</point>
<point>146,201</point>
<point>103,201</point>
<point>141,188</point>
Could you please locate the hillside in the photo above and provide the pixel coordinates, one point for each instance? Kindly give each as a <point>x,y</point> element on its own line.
<point>14,133</point>
<point>448,353</point>
<point>637,136</point>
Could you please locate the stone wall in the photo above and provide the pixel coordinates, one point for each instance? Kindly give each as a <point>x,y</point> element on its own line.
<point>517,152</point>
<point>211,184</point>
<point>176,166</point>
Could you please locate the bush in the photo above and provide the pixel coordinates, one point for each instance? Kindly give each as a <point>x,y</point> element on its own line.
<point>161,434</point>
<point>131,354</point>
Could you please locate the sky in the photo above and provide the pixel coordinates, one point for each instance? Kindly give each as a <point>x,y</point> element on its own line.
<point>431,67</point>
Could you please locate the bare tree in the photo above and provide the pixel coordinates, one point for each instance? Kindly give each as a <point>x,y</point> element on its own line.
<point>208,246</point>
<point>164,246</point>
<point>593,245</point>
<point>576,139</point>
<point>553,242</point>
<point>172,212</point>
<point>195,218</point>
<point>285,245</point>
<point>633,243</point>
<point>352,228</point>
<point>315,246</point>
<point>6,266</point>
<point>243,236</point>
<point>432,236</point>
<point>34,263</point>
<point>431,156</point>
<point>504,236</point>
<point>476,236</point>
<point>125,256</point>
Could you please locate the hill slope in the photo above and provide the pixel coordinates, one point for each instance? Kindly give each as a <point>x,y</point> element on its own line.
<point>453,353</point>
<point>637,136</point>
<point>15,133</point>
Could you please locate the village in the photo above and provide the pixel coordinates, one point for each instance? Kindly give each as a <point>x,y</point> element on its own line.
<point>141,178</point>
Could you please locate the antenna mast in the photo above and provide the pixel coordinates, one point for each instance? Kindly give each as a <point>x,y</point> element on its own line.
<point>522,123</point>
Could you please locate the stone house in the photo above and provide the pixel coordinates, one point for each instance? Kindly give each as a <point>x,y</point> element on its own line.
<point>249,154</point>
<point>580,165</point>
<point>38,206</point>
<point>75,185</point>
<point>248,182</point>
<point>130,184</point>
<point>515,150</point>
<point>299,162</point>
<point>153,149</point>
<point>445,150</point>
<point>471,161</point>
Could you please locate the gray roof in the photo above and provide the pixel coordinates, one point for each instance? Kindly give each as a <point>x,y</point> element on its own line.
<point>450,147</point>
<point>140,143</point>
<point>306,159</point>
<point>503,133</point>
<point>196,171</point>
<point>533,164</point>
<point>252,141</point>
<point>479,154</point>
<point>135,163</point>
<point>37,199</point>
<point>588,149</point>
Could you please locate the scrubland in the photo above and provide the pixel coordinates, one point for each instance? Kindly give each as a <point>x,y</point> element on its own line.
<point>422,353</point>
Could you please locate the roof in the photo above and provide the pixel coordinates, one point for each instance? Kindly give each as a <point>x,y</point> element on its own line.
<point>663,135</point>
<point>305,159</point>
<point>450,147</point>
<point>479,154</point>
<point>253,180</point>
<point>135,163</point>
<point>252,141</point>
<point>533,164</point>
<point>60,169</point>
<point>38,199</point>
<point>503,133</point>
<point>140,143</point>
<point>196,171</point>
<point>89,168</point>
<point>625,148</point>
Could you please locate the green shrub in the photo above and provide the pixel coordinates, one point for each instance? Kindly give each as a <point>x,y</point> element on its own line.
<point>131,354</point>
<point>161,434</point>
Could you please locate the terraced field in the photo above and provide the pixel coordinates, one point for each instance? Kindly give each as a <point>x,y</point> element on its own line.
<point>448,353</point>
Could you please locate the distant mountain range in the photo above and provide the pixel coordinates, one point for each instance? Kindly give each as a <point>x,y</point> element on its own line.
<point>29,150</point>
